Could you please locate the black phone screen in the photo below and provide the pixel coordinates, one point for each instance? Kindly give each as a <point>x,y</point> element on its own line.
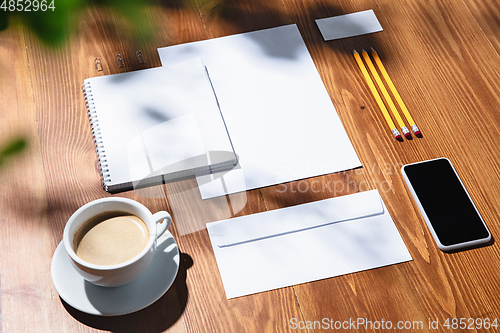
<point>445,202</point>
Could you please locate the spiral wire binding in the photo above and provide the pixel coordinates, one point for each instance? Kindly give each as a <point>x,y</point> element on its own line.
<point>96,135</point>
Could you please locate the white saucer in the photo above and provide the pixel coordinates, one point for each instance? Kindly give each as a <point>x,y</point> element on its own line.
<point>102,301</point>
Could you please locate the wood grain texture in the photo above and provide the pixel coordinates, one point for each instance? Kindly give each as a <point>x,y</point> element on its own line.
<point>25,231</point>
<point>443,57</point>
<point>461,73</point>
<point>381,157</point>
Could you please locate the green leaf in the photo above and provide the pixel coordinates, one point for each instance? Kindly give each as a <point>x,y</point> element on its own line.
<point>54,27</point>
<point>14,147</point>
<point>4,20</point>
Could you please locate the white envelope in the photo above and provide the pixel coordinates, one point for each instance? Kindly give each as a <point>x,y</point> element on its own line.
<point>305,243</point>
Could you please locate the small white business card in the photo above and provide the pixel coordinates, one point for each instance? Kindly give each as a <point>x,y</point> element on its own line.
<point>349,25</point>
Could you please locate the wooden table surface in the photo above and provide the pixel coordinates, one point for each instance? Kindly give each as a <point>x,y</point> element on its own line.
<point>443,56</point>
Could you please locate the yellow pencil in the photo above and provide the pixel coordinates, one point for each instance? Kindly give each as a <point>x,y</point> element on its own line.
<point>375,94</point>
<point>396,94</point>
<point>385,93</point>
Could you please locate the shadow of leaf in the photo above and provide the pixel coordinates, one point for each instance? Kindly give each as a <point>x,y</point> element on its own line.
<point>12,148</point>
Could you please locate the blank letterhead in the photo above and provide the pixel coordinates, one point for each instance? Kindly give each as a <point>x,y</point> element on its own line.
<point>279,116</point>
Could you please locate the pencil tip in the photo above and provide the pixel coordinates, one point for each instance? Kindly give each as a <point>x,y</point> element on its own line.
<point>373,50</point>
<point>363,51</point>
<point>354,52</point>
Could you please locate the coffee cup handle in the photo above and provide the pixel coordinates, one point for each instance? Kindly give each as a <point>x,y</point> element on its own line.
<point>163,221</point>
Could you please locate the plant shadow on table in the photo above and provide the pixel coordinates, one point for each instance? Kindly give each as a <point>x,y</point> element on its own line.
<point>157,317</point>
<point>264,14</point>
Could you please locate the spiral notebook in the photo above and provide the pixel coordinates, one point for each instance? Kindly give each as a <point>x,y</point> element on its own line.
<point>156,125</point>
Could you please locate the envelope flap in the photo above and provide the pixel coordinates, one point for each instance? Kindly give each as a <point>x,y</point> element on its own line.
<point>296,218</point>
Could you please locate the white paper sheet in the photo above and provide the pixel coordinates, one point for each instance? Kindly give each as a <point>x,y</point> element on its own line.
<point>349,25</point>
<point>318,240</point>
<point>280,118</point>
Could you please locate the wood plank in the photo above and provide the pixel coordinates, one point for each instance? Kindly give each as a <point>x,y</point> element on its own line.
<point>454,68</point>
<point>485,14</point>
<point>223,18</point>
<point>385,158</point>
<point>25,228</point>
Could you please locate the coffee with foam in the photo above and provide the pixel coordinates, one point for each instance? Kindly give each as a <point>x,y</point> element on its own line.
<point>111,238</point>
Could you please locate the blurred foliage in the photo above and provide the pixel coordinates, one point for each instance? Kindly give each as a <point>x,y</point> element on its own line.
<point>12,148</point>
<point>55,26</point>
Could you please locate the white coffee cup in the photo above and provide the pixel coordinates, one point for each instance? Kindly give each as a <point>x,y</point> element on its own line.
<point>125,272</point>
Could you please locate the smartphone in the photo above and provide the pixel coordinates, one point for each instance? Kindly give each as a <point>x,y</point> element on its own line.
<point>447,208</point>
